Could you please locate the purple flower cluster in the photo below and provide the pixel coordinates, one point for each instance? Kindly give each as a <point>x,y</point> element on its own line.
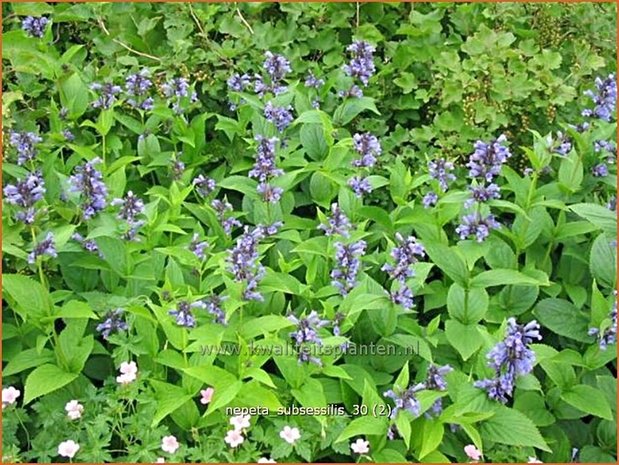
<point>348,265</point>
<point>45,247</point>
<point>238,83</point>
<point>486,161</point>
<point>175,90</point>
<point>368,146</point>
<point>68,135</point>
<point>265,169</point>
<point>609,335</point>
<point>360,186</point>
<point>441,170</point>
<point>600,170</point>
<point>213,306</point>
<point>137,86</point>
<point>106,94</point>
<point>25,194</point>
<point>221,207</point>
<point>435,380</point>
<point>184,313</point>
<point>562,144</point>
<point>430,199</point>
<point>338,223</point>
<point>177,168</point>
<point>313,82</point>
<point>361,65</point>
<point>406,400</point>
<point>114,322</point>
<point>35,27</point>
<point>307,334</point>
<point>354,91</point>
<point>484,165</point>
<point>276,66</point>
<point>510,358</point>
<point>25,144</point>
<point>605,99</point>
<point>243,261</point>
<point>203,185</point>
<point>198,247</point>
<point>87,244</point>
<point>474,224</point>
<point>405,255</point>
<point>605,146</point>
<point>130,207</point>
<point>281,117</point>
<point>88,182</point>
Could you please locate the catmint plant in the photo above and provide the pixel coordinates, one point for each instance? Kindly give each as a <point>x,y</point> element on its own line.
<point>348,265</point>
<point>25,144</point>
<point>24,194</point>
<point>88,183</point>
<point>509,359</point>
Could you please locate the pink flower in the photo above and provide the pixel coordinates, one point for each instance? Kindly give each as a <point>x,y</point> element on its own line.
<point>68,448</point>
<point>9,396</point>
<point>290,435</point>
<point>207,395</point>
<point>472,452</point>
<point>129,372</point>
<point>234,438</point>
<point>360,446</point>
<point>169,444</point>
<point>265,460</point>
<point>74,409</point>
<point>534,460</point>
<point>240,421</point>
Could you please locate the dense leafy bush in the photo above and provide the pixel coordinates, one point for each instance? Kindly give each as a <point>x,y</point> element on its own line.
<point>388,228</point>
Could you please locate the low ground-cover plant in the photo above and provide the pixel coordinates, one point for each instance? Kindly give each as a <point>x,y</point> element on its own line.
<point>256,274</point>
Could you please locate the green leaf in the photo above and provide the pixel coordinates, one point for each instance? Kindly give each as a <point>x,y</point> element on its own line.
<point>603,260</point>
<point>76,309</point>
<point>600,216</point>
<point>571,172</point>
<point>431,437</point>
<point>364,426</point>
<point>31,299</point>
<point>223,397</point>
<point>466,339</point>
<point>313,141</point>
<point>467,306</point>
<point>45,379</point>
<point>169,398</point>
<point>74,95</point>
<point>563,318</point>
<point>511,427</point>
<point>589,400</point>
<point>347,111</point>
<point>504,276</point>
<point>26,359</point>
<point>449,260</point>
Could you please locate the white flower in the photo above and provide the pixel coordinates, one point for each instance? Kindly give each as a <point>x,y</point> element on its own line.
<point>360,446</point>
<point>472,452</point>
<point>234,438</point>
<point>129,372</point>
<point>290,435</point>
<point>160,460</point>
<point>169,444</point>
<point>207,395</point>
<point>240,421</point>
<point>68,448</point>
<point>534,460</point>
<point>74,409</point>
<point>9,396</point>
<point>265,460</point>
